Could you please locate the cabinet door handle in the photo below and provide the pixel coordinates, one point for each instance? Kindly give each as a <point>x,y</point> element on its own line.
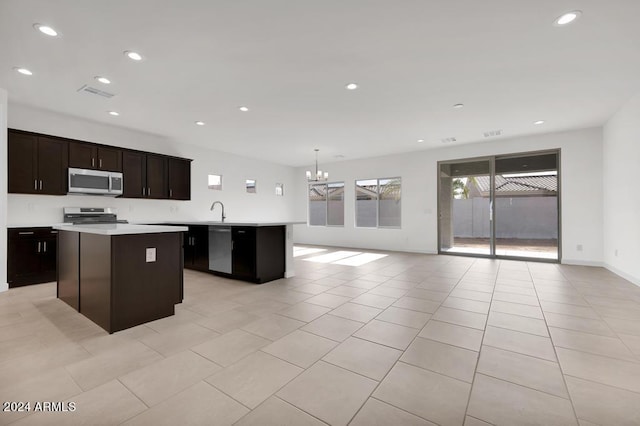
<point>44,244</point>
<point>143,192</point>
<point>171,193</point>
<point>39,246</point>
<point>35,184</point>
<point>25,233</point>
<point>148,192</point>
<point>100,163</point>
<point>93,162</point>
<point>41,185</point>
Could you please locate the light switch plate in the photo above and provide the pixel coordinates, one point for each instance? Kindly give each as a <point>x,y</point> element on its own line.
<point>151,254</point>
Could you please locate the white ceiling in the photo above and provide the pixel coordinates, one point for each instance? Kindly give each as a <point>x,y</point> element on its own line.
<point>289,60</point>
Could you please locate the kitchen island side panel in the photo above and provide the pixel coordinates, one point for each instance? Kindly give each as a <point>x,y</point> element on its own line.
<point>69,268</point>
<point>270,253</point>
<point>95,279</point>
<point>145,289</point>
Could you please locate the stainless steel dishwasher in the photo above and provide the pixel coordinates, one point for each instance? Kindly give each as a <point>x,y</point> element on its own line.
<point>220,247</point>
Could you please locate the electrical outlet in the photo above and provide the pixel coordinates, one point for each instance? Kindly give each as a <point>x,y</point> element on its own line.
<point>151,254</point>
<point>579,247</point>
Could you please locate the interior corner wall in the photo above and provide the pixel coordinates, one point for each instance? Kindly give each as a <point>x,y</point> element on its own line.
<point>33,210</point>
<point>3,190</point>
<point>621,160</point>
<point>581,194</point>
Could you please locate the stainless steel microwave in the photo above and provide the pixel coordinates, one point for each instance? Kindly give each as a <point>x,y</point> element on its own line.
<point>94,182</point>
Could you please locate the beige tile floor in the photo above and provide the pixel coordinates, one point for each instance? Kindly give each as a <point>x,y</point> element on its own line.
<point>407,339</point>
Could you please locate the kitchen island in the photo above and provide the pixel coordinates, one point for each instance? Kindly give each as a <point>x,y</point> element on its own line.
<point>251,251</point>
<point>120,275</point>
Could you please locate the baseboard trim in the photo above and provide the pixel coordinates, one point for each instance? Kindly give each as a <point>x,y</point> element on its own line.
<point>4,287</point>
<point>628,277</point>
<point>289,274</point>
<point>577,262</point>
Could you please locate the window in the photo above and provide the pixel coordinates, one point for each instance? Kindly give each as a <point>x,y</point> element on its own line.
<point>335,204</point>
<point>326,204</point>
<point>378,203</point>
<point>215,182</point>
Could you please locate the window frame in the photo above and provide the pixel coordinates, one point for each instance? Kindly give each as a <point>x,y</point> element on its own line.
<point>355,210</point>
<point>326,204</point>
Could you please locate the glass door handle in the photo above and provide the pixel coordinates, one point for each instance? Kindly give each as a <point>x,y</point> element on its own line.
<point>490,210</point>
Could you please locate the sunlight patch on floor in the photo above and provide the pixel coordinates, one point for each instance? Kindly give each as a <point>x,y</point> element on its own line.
<point>340,257</point>
<point>332,257</point>
<point>303,251</point>
<point>360,259</point>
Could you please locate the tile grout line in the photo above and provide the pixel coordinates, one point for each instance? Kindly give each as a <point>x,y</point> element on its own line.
<point>555,352</point>
<point>475,371</point>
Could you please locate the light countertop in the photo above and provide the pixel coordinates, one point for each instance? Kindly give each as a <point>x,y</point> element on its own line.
<point>217,223</point>
<point>119,228</point>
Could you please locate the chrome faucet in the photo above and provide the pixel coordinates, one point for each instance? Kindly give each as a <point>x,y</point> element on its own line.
<point>221,205</point>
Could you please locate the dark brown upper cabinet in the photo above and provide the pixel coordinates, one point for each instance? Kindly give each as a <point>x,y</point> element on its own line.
<point>179,179</point>
<point>37,164</point>
<point>145,175</point>
<point>157,176</point>
<point>134,174</point>
<point>88,156</point>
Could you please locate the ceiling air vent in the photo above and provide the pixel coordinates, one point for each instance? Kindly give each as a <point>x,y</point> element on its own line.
<point>493,133</point>
<point>447,140</point>
<point>94,91</point>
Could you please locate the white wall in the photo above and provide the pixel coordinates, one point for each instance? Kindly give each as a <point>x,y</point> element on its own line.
<point>3,190</point>
<point>581,180</point>
<point>621,154</point>
<point>239,205</point>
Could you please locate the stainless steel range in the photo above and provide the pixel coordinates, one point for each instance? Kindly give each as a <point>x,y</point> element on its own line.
<point>91,215</point>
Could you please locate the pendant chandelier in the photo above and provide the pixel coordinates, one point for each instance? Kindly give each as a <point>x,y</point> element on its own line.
<point>319,176</point>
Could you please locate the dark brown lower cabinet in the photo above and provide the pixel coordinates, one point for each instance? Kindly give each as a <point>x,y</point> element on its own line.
<point>258,253</point>
<point>196,248</point>
<point>31,256</point>
<point>117,287</point>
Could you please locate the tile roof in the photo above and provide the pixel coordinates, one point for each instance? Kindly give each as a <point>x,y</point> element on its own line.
<point>519,184</point>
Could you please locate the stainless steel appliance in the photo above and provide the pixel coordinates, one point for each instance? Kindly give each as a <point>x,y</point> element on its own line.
<point>94,182</point>
<point>220,248</point>
<point>91,215</point>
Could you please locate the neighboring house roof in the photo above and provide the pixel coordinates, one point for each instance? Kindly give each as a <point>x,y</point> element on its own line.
<point>517,185</point>
<point>318,192</point>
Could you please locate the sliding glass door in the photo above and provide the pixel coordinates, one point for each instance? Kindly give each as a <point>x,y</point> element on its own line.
<point>465,207</point>
<point>504,206</point>
<point>526,206</point>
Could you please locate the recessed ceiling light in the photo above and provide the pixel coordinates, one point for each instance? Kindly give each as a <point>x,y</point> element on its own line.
<point>103,80</point>
<point>447,140</point>
<point>567,18</point>
<point>200,123</point>
<point>351,86</point>
<point>420,140</point>
<point>458,106</point>
<point>243,109</point>
<point>45,29</point>
<point>23,71</point>
<point>133,55</point>
<point>538,122</point>
<point>114,113</point>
